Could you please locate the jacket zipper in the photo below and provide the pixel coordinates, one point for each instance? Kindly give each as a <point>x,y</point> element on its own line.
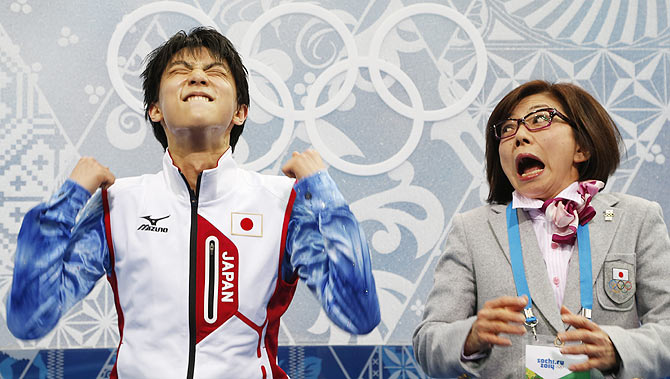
<point>211,264</point>
<point>193,253</point>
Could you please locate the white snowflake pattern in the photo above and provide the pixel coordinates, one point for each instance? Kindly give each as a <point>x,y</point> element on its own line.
<point>418,307</point>
<point>21,6</point>
<point>67,38</point>
<point>654,155</point>
<point>94,94</point>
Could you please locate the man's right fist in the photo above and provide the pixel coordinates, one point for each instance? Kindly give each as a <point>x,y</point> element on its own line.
<point>91,175</point>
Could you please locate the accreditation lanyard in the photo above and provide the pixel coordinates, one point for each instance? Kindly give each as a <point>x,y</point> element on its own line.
<point>585,276</point>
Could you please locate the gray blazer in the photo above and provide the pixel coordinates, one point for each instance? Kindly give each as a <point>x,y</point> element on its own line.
<point>475,268</point>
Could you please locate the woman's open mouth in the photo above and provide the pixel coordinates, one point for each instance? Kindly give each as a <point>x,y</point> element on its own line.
<point>528,166</point>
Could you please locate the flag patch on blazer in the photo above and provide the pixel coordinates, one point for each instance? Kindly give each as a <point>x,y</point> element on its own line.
<point>246,224</point>
<point>620,274</point>
<point>619,282</point>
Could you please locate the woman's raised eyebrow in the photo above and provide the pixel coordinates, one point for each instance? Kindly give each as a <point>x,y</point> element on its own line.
<point>539,106</point>
<point>532,109</point>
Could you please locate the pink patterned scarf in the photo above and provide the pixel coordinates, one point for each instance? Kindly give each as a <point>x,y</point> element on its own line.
<point>568,214</point>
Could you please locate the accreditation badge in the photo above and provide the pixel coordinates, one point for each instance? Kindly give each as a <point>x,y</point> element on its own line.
<point>545,361</point>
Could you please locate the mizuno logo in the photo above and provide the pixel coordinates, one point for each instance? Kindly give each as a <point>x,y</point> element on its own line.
<point>151,227</point>
<point>153,221</point>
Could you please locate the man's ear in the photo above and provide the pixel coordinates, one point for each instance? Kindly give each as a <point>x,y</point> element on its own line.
<point>240,114</point>
<point>155,113</point>
<point>581,155</point>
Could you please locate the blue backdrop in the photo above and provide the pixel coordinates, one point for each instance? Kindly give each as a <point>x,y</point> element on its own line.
<point>393,93</point>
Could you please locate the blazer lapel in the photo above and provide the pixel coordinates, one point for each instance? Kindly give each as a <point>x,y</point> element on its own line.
<point>534,266</point>
<point>572,297</point>
<point>601,232</point>
<point>498,223</point>
<point>536,274</point>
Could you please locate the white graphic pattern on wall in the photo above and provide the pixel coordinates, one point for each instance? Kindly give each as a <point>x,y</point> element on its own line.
<point>394,95</point>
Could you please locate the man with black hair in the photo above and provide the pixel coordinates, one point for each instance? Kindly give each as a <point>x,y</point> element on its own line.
<point>203,257</point>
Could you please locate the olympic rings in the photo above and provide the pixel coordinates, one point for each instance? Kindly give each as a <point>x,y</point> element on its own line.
<point>617,286</point>
<point>349,65</point>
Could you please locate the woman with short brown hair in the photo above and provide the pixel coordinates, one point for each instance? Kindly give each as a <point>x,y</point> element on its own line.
<point>551,276</point>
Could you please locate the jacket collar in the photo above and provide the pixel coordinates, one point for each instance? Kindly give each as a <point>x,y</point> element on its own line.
<point>214,183</point>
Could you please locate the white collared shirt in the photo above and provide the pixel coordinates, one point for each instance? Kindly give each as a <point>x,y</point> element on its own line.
<point>556,256</point>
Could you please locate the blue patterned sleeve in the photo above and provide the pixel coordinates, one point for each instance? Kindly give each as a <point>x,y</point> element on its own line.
<point>58,260</point>
<point>327,248</point>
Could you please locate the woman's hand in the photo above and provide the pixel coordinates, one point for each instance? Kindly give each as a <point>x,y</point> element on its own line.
<point>500,315</point>
<point>595,343</point>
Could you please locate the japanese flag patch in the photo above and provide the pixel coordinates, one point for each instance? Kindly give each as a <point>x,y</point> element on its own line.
<point>620,274</point>
<point>619,282</point>
<point>246,224</point>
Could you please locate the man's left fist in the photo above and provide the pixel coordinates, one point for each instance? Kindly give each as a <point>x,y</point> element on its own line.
<point>303,164</point>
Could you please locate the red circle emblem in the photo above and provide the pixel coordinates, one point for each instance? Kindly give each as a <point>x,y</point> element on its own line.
<point>246,224</point>
<point>620,274</point>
